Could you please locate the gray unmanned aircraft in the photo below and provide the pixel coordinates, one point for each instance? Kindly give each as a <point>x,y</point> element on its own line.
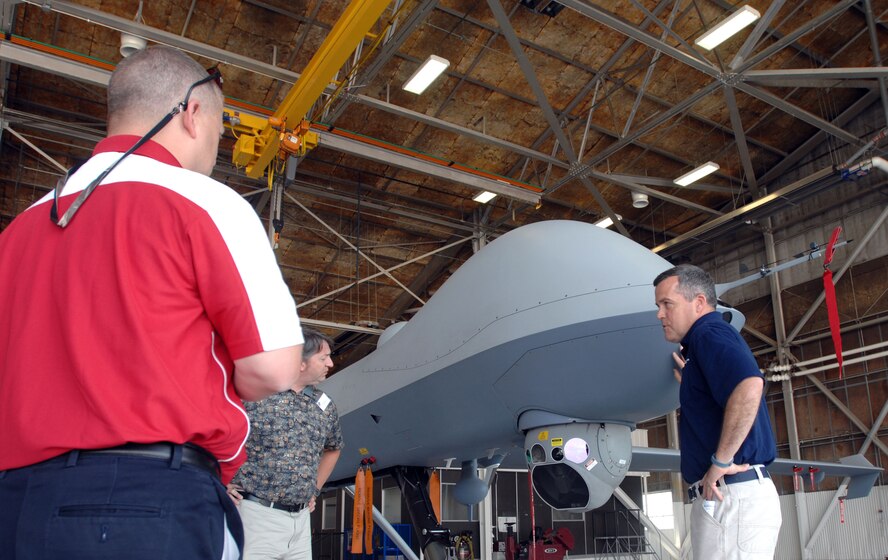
<point>544,351</point>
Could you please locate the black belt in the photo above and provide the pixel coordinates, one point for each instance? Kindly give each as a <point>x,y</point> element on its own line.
<point>747,475</point>
<point>192,455</point>
<point>695,491</point>
<point>272,505</point>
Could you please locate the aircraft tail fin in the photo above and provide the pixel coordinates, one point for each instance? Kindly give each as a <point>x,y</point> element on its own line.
<point>861,472</point>
<point>861,484</point>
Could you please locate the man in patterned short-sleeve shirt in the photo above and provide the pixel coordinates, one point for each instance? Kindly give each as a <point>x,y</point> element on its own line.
<point>293,446</point>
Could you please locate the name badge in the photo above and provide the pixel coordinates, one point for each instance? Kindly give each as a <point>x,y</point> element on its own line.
<point>323,401</point>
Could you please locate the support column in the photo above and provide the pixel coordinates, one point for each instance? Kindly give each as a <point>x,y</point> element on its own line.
<point>486,522</point>
<point>680,531</point>
<point>788,401</point>
<point>482,220</point>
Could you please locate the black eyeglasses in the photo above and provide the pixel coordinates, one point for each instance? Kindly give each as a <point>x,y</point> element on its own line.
<point>214,75</point>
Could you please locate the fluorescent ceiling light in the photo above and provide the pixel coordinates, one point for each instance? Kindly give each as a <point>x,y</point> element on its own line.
<point>728,28</point>
<point>484,197</point>
<point>696,174</point>
<point>426,74</point>
<point>606,222</point>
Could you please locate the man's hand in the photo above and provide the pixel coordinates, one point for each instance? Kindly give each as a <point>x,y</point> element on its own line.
<point>311,504</point>
<point>234,492</point>
<point>710,490</point>
<point>739,416</point>
<point>680,362</point>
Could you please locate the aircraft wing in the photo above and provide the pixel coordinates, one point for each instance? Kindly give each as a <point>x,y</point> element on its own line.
<point>861,472</point>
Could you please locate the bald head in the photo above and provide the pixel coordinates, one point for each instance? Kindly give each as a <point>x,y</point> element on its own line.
<point>148,84</point>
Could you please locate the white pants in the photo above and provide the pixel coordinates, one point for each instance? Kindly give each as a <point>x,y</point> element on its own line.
<point>743,527</point>
<point>275,534</point>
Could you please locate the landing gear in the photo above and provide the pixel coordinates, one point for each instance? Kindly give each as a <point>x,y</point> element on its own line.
<point>414,484</point>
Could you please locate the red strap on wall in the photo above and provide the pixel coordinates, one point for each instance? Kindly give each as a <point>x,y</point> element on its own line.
<point>830,247</point>
<point>829,291</point>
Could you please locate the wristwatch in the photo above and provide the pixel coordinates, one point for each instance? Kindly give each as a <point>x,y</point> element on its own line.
<point>719,464</point>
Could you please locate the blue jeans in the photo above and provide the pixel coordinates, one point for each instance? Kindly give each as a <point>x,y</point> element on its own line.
<point>109,506</point>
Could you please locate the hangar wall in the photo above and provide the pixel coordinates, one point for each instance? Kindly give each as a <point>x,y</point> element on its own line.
<point>833,416</point>
<point>824,431</point>
<point>863,535</point>
<point>854,204</point>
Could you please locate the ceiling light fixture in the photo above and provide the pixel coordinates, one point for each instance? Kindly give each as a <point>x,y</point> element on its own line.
<point>130,44</point>
<point>728,28</point>
<point>426,74</point>
<point>607,222</point>
<point>639,200</point>
<point>484,197</point>
<point>696,174</point>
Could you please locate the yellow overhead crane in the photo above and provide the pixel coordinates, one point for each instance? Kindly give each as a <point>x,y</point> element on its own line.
<point>290,131</point>
<point>287,131</point>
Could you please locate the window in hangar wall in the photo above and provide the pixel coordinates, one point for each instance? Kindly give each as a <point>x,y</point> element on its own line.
<point>328,514</point>
<point>559,515</point>
<point>391,504</point>
<point>451,510</point>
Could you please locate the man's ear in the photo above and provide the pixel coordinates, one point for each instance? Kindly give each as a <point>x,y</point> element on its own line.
<point>189,117</point>
<point>699,303</point>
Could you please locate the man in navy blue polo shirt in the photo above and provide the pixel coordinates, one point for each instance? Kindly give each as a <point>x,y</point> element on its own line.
<point>725,431</point>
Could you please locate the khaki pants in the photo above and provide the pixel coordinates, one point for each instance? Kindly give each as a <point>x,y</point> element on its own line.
<point>275,534</point>
<point>744,526</point>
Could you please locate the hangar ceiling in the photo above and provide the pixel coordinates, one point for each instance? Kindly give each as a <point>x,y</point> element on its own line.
<point>577,102</point>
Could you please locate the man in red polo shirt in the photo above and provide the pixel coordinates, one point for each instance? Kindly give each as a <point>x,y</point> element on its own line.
<point>141,303</point>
